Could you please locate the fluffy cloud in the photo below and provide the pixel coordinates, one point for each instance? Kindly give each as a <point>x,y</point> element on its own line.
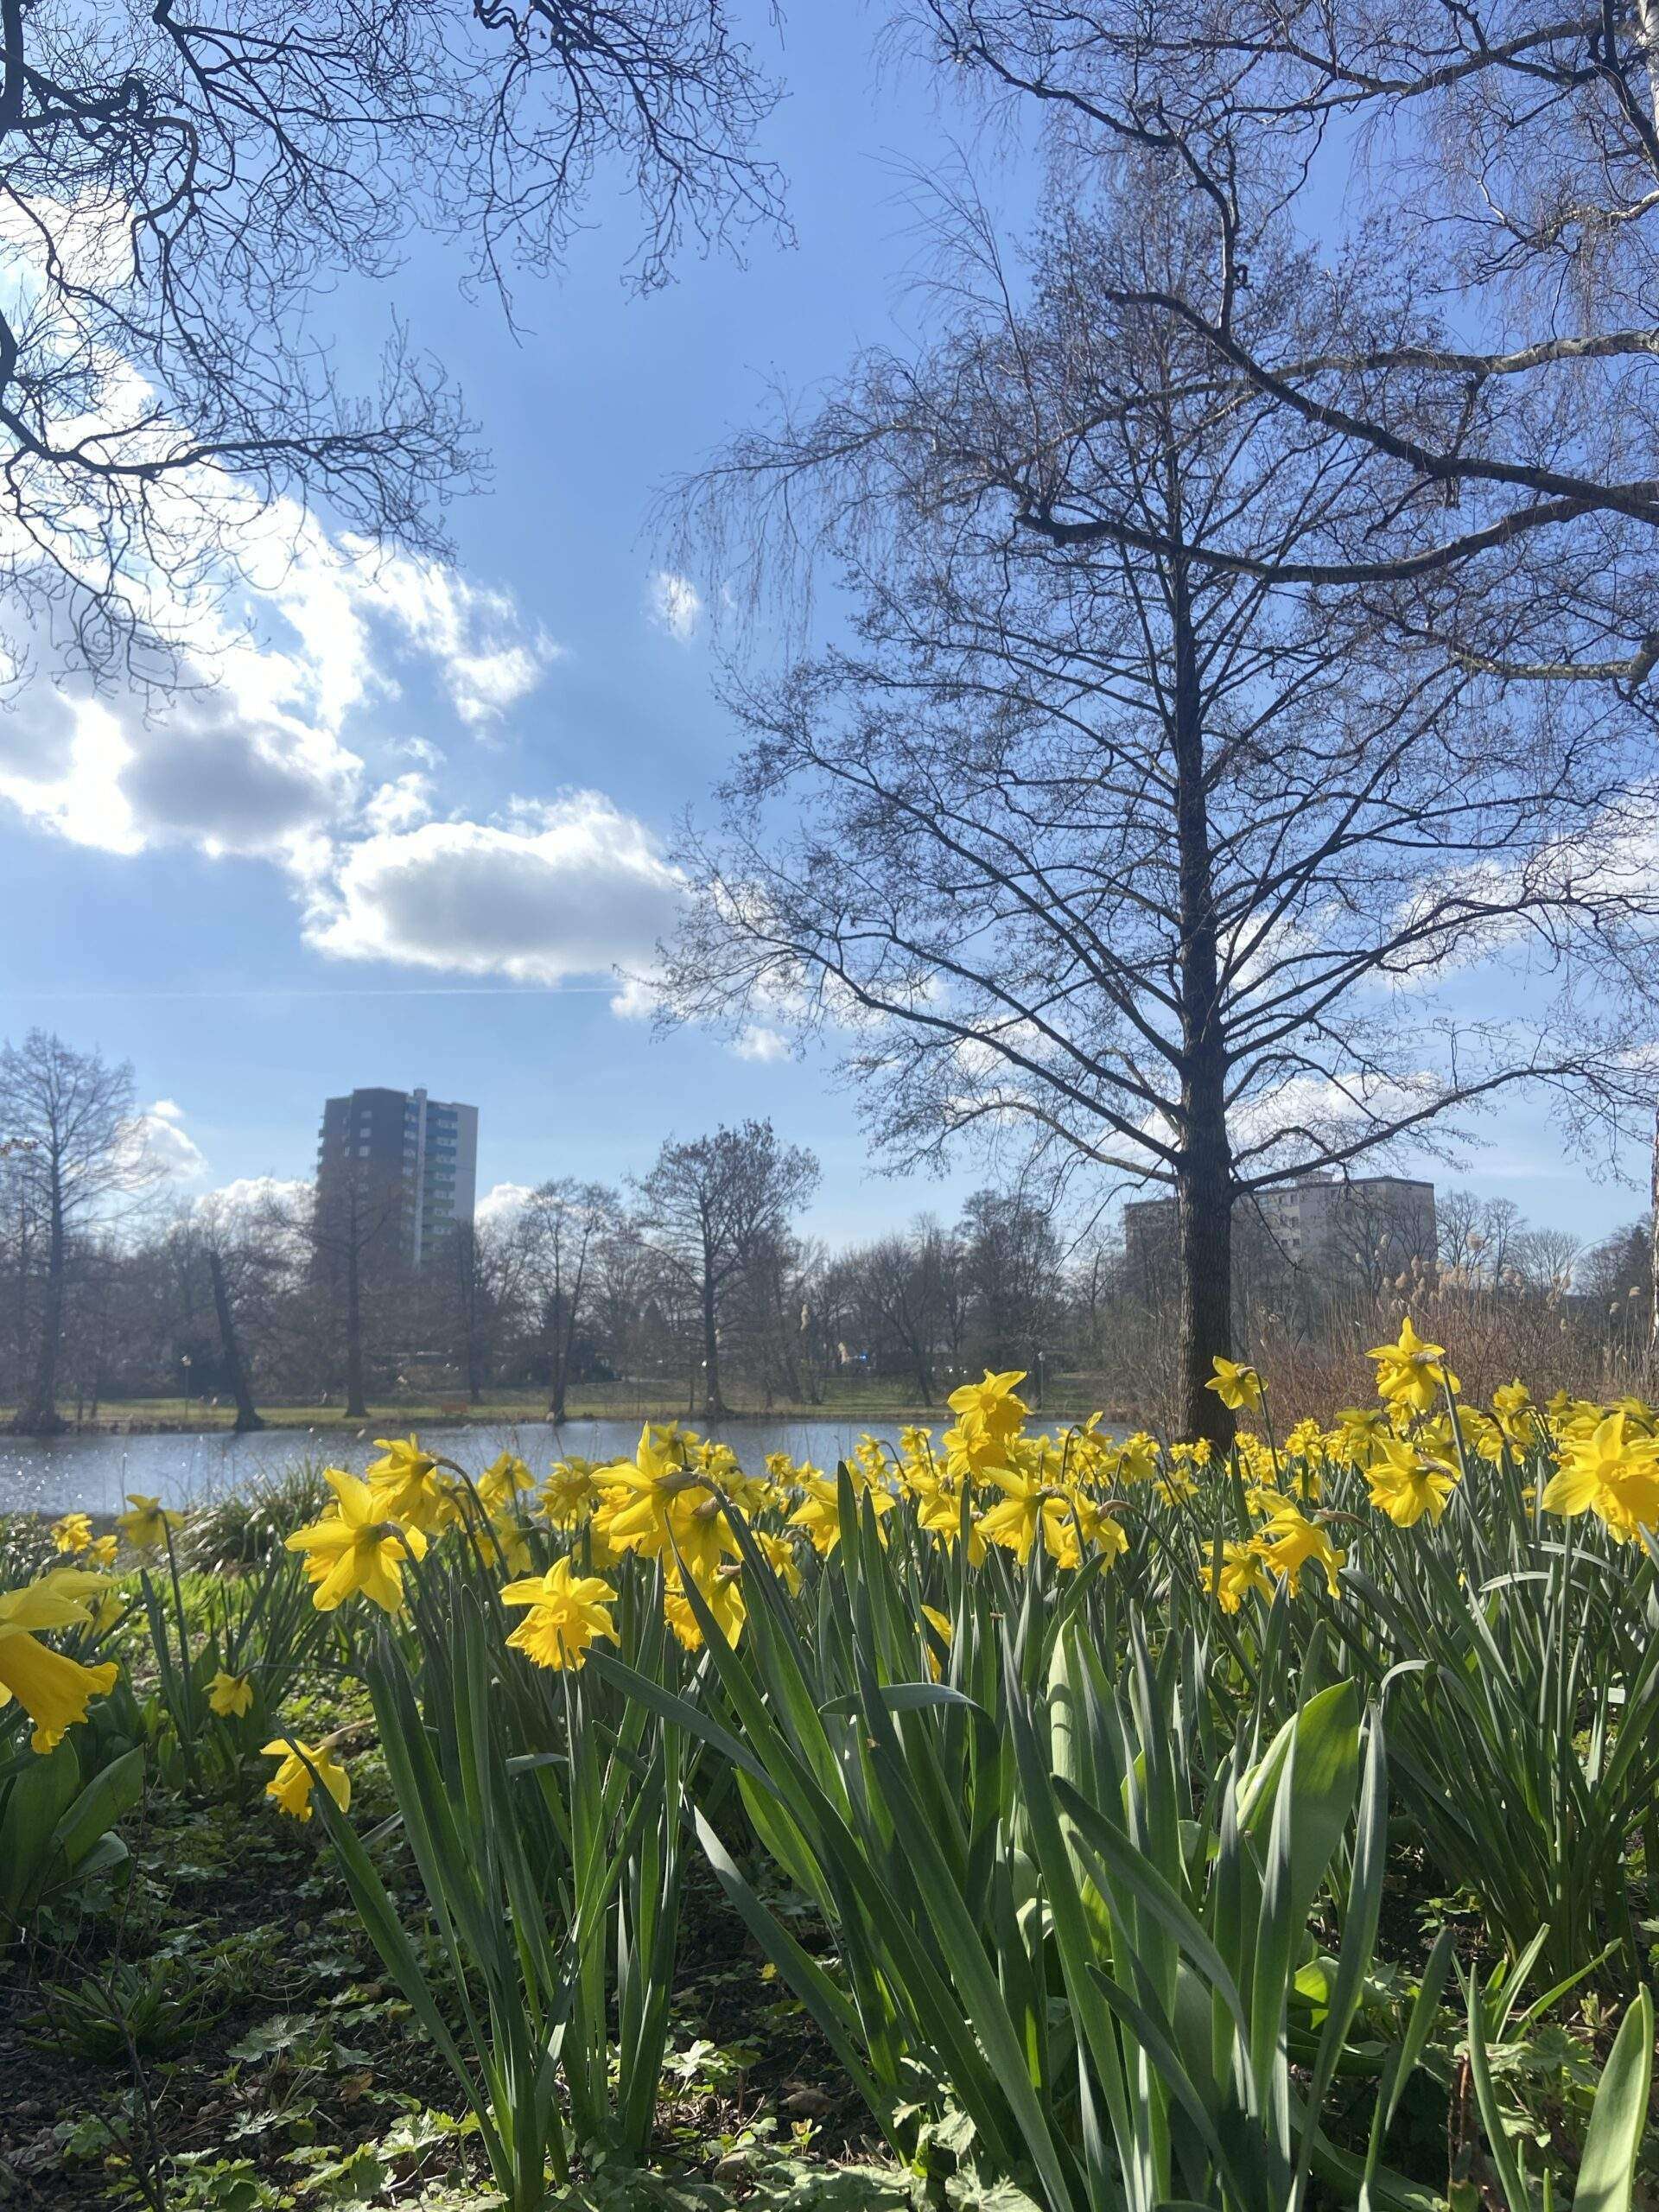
<point>576,887</point>
<point>757,1042</point>
<point>675,605</point>
<point>251,758</point>
<point>252,1195</point>
<point>501,1205</point>
<point>165,1147</point>
<point>474,635</point>
<point>402,803</point>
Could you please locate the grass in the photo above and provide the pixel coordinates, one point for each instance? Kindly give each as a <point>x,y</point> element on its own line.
<point>850,1402</point>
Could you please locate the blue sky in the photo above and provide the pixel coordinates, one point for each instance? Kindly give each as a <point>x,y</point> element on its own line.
<point>256,922</point>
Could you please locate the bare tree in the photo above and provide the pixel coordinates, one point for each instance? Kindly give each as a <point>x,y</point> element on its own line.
<point>1157,859</point>
<point>707,1205</point>
<point>351,1224</point>
<point>558,1235</point>
<point>177,184</point>
<point>233,1246</point>
<point>897,1284</point>
<point>76,1149</point>
<point>1502,156</point>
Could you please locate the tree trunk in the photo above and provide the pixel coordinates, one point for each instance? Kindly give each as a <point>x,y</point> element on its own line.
<point>712,1407</point>
<point>922,1367</point>
<point>1203,1172</point>
<point>561,1340</point>
<point>38,1415</point>
<point>356,1409</point>
<point>247,1416</point>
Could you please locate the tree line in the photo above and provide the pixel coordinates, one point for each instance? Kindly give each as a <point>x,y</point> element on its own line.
<point>693,1282</point>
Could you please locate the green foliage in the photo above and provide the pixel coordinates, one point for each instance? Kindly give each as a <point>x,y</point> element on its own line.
<point>544,1820</point>
<point>1518,1660</point>
<point>58,1818</point>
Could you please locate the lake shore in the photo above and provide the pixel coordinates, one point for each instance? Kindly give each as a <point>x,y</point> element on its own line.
<point>155,1418</point>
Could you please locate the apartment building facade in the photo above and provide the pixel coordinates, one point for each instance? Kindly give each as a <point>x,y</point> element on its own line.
<point>415,1154</point>
<point>1370,1228</point>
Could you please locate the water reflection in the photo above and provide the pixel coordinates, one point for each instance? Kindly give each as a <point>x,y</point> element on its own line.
<point>91,1474</point>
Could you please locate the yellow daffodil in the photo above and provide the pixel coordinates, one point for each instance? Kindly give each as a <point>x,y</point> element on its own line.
<point>939,1511</point>
<point>779,1555</point>
<point>566,1613</point>
<point>406,1481</point>
<point>819,1512</point>
<point>71,1532</point>
<point>1360,1433</point>
<point>1405,1485</point>
<point>230,1695</point>
<point>1243,1569</point>
<point>656,1506</point>
<point>102,1550</point>
<point>145,1526</point>
<point>1097,1525</point>
<point>568,1493</point>
<point>944,1629</point>
<point>502,1481</point>
<point>357,1546</point>
<point>1609,1473</point>
<point>723,1595</point>
<point>1029,1508</point>
<point>1410,1372</point>
<point>1238,1387</point>
<point>989,1417</point>
<point>1290,1542</point>
<point>1137,1459</point>
<point>292,1783</point>
<point>53,1688</point>
<point>1515,1413</point>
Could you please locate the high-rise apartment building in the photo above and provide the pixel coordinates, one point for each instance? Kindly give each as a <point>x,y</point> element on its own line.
<point>1365,1225</point>
<point>416,1155</point>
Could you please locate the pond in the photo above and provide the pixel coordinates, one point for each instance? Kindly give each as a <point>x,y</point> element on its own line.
<point>91,1474</point>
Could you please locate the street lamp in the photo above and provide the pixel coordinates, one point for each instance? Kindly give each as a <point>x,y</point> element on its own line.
<point>184,1362</point>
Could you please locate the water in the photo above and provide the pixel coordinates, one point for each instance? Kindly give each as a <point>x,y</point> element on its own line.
<point>92,1474</point>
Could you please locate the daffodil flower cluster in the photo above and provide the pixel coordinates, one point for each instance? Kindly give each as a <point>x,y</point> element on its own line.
<point>53,1686</point>
<point>1263,1519</point>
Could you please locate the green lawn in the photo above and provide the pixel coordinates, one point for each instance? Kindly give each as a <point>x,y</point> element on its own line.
<point>843,1401</point>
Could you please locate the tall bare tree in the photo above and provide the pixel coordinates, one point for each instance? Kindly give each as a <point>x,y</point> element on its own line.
<point>896,1285</point>
<point>178,184</point>
<point>76,1149</point>
<point>709,1205</point>
<point>351,1226</point>
<point>1159,859</point>
<point>1476,188</point>
<point>559,1233</point>
<point>232,1246</point>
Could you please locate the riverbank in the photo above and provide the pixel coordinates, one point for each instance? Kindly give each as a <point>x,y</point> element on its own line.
<point>522,1409</point>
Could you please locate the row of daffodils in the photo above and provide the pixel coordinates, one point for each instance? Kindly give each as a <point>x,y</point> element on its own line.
<point>985,1481</point>
<point>1050,1726</point>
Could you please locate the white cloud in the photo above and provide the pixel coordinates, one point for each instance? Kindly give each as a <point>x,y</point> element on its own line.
<point>675,605</point>
<point>576,887</point>
<point>474,634</point>
<point>757,1043</point>
<point>251,756</point>
<point>252,1195</point>
<point>1275,1126</point>
<point>638,999</point>
<point>402,803</point>
<point>501,1206</point>
<point>165,1146</point>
